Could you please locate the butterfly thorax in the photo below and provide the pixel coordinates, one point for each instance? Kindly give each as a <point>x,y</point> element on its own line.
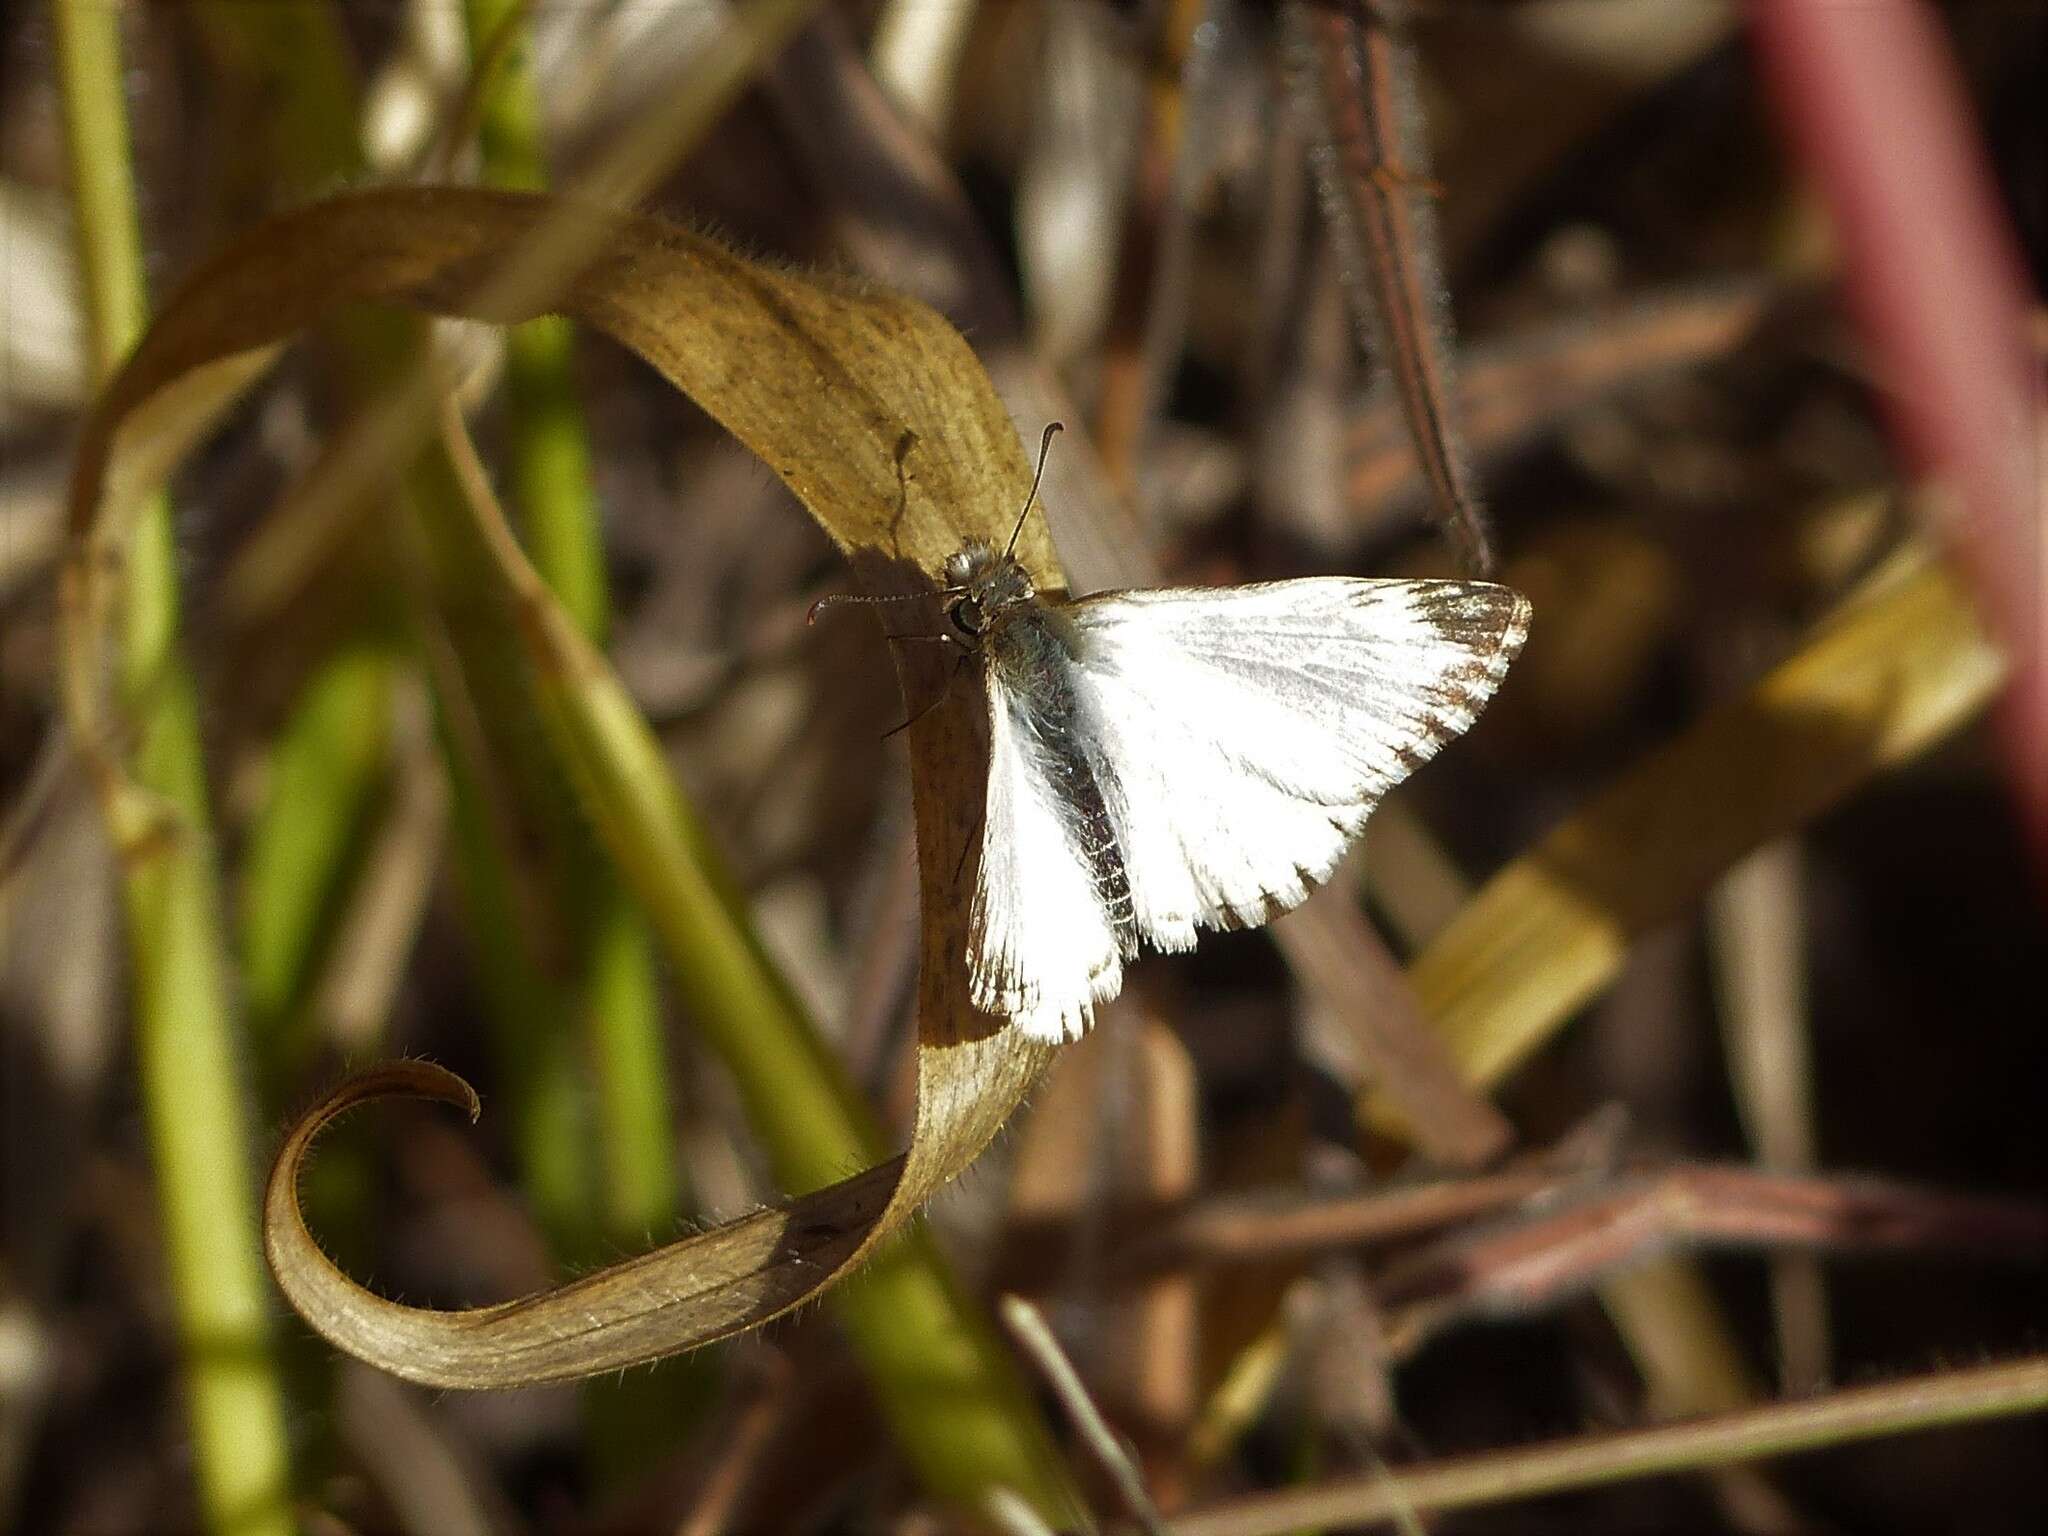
<point>1027,644</point>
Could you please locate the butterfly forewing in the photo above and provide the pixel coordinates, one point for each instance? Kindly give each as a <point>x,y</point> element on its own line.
<point>1238,738</point>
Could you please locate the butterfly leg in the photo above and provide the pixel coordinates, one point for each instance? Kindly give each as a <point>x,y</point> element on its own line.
<point>951,678</point>
<point>980,815</point>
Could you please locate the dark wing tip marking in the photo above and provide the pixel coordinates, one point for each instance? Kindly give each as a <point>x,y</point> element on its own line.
<point>1483,615</point>
<point>1515,632</point>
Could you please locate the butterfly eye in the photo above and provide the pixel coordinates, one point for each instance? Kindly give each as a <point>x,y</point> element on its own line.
<point>966,616</point>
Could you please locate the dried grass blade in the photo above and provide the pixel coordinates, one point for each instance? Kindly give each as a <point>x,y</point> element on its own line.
<point>1517,386</point>
<point>1900,666</point>
<point>1371,162</point>
<point>1035,1338</point>
<point>1777,1429</point>
<point>1341,958</point>
<point>1757,938</point>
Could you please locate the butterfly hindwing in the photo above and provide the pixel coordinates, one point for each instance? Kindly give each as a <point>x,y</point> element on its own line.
<point>1044,945</point>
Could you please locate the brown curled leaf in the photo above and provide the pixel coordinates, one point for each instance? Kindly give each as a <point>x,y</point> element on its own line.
<point>877,415</point>
<point>715,1283</point>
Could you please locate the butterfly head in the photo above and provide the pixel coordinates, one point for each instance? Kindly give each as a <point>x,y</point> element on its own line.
<point>984,587</point>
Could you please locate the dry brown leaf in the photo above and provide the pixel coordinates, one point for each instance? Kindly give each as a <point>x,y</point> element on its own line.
<point>877,415</point>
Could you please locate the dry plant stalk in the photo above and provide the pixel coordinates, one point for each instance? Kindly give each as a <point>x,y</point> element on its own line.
<point>1500,1477</point>
<point>875,413</point>
<point>1371,161</point>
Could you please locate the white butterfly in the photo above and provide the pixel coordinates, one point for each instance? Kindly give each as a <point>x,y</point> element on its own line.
<point>1163,761</point>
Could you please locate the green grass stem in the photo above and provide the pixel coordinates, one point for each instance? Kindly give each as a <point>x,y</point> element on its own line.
<point>329,771</point>
<point>289,62</point>
<point>187,1049</point>
<point>512,826</point>
<point>554,498</point>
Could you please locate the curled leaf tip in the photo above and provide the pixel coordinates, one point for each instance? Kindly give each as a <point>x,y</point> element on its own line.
<point>408,1079</point>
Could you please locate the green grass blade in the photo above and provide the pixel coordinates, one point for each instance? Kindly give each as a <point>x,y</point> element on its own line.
<point>549,461</point>
<point>329,770</point>
<point>289,61</point>
<point>508,834</point>
<point>186,1047</point>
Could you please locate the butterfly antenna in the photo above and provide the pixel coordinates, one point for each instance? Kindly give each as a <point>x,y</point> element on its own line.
<point>1044,447</point>
<point>838,599</point>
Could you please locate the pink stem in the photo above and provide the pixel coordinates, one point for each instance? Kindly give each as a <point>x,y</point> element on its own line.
<point>1871,97</point>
